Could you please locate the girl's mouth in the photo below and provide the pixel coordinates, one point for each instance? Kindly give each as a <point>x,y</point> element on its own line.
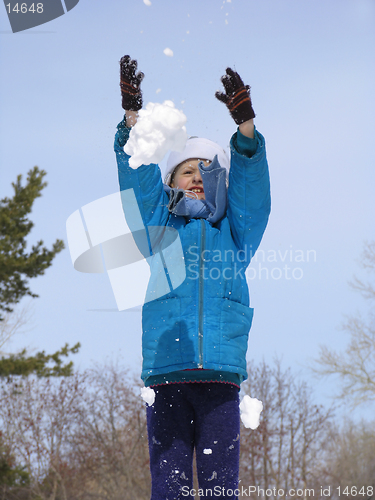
<point>197,190</point>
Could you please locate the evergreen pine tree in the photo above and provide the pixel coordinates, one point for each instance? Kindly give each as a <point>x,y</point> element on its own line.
<point>17,266</point>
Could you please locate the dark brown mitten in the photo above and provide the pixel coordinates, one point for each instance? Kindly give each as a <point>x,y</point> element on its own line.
<point>130,83</point>
<point>236,97</point>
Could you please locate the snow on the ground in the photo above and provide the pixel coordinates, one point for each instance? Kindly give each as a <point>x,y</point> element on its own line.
<point>159,128</point>
<point>250,409</point>
<point>148,395</point>
<point>168,52</point>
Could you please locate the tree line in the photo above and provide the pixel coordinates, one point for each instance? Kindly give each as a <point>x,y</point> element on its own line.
<point>84,436</point>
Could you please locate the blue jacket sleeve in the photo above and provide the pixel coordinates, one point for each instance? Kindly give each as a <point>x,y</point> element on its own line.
<point>249,199</point>
<point>245,145</point>
<point>145,181</point>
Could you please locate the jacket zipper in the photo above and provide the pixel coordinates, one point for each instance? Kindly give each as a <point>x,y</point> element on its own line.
<point>201,288</point>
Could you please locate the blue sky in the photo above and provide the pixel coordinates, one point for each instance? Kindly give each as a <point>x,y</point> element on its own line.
<point>311,69</point>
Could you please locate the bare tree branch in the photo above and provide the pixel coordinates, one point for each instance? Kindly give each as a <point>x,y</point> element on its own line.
<point>14,323</point>
<point>355,367</point>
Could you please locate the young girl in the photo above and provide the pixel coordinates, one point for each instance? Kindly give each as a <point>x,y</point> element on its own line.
<point>195,338</point>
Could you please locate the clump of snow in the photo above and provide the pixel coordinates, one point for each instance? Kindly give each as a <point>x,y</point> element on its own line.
<point>158,90</point>
<point>147,2</point>
<point>148,395</point>
<point>207,451</point>
<point>159,127</point>
<point>250,409</point>
<point>168,52</point>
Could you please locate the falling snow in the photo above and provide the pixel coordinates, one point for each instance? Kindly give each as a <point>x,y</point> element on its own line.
<point>148,395</point>
<point>250,409</point>
<point>168,52</point>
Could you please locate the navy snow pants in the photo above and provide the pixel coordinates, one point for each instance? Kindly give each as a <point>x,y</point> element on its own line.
<point>204,416</point>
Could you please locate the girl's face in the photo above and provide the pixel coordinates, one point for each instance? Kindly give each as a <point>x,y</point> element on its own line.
<point>188,177</point>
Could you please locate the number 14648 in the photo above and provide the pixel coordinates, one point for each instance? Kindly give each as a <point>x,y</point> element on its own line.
<point>38,8</point>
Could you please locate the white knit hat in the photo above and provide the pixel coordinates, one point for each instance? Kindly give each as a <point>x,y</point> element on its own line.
<point>196,147</point>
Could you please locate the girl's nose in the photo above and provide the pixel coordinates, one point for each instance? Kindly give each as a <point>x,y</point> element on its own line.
<point>197,177</point>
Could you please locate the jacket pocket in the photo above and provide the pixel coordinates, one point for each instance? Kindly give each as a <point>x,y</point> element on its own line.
<point>168,334</point>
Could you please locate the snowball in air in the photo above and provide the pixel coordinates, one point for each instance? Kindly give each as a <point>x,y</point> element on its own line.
<point>159,128</point>
<point>147,2</point>
<point>250,409</point>
<point>148,395</point>
<point>207,451</point>
<point>168,52</point>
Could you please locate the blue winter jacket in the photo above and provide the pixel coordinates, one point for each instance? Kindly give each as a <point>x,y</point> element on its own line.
<point>204,322</point>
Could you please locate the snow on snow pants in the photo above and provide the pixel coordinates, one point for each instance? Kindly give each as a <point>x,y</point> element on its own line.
<point>204,416</point>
